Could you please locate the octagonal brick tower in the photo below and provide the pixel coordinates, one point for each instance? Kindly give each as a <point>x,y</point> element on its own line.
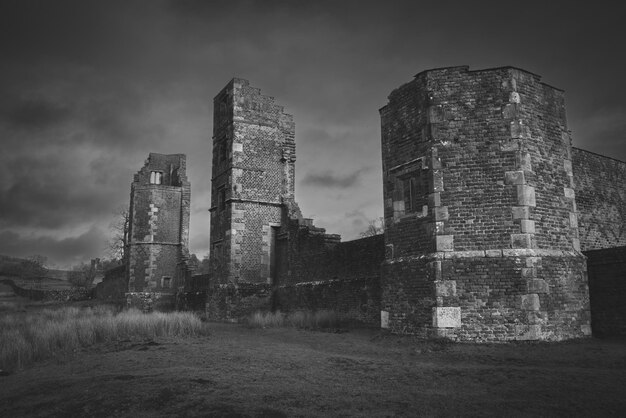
<point>481,222</point>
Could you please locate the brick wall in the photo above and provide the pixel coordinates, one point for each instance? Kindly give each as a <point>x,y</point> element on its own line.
<point>601,200</point>
<point>253,174</point>
<point>344,277</point>
<point>158,228</point>
<point>607,290</point>
<point>478,188</point>
<point>353,300</point>
<point>309,254</point>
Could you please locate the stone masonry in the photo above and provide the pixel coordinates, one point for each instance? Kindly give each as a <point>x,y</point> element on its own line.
<point>158,231</point>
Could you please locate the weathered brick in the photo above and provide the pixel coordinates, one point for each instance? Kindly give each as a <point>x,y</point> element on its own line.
<point>158,229</point>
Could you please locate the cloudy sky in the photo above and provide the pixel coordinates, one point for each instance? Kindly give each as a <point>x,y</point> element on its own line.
<point>89,88</point>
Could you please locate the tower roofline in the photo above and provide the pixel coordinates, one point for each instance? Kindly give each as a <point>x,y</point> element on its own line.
<point>466,68</point>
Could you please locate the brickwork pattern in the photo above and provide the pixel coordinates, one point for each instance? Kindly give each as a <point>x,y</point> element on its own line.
<point>495,153</point>
<point>159,226</point>
<point>601,200</point>
<point>310,254</point>
<point>253,174</point>
<point>353,300</point>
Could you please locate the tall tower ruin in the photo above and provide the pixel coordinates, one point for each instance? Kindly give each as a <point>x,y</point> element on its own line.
<point>158,230</point>
<point>252,183</point>
<point>481,220</point>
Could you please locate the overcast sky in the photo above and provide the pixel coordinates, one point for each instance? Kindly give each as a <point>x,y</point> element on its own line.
<point>89,88</point>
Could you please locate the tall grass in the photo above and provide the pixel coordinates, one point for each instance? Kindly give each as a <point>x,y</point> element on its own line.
<point>297,319</point>
<point>25,338</point>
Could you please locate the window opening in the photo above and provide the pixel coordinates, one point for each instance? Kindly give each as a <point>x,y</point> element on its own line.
<point>156,177</point>
<point>166,282</point>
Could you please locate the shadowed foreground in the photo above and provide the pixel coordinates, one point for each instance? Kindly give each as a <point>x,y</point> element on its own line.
<point>238,371</point>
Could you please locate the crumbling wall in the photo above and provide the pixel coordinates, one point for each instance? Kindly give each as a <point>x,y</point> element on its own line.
<point>114,285</point>
<point>309,254</point>
<point>344,277</point>
<point>607,290</point>
<point>600,199</point>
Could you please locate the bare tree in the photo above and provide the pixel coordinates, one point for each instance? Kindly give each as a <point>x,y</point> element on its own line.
<point>83,274</point>
<point>374,227</point>
<point>118,245</point>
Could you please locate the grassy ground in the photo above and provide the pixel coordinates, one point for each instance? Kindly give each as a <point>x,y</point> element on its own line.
<point>29,337</point>
<point>237,370</point>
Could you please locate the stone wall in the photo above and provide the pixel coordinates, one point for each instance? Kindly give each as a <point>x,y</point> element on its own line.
<point>601,200</point>
<point>230,302</point>
<point>63,295</point>
<point>607,290</point>
<point>151,301</point>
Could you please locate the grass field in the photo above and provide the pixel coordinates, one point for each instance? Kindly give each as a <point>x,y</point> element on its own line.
<point>237,371</point>
<point>37,335</point>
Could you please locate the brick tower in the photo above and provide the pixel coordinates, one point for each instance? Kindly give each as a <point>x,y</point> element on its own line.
<point>252,183</point>
<point>481,223</point>
<point>158,231</point>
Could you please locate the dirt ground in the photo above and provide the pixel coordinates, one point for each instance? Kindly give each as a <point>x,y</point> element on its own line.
<point>237,371</point>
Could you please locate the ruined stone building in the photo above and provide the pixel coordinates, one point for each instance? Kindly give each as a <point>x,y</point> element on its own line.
<point>158,230</point>
<point>492,218</point>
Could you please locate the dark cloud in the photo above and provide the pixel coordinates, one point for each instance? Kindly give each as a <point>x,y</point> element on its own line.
<point>31,202</point>
<point>51,190</point>
<point>332,180</point>
<point>35,114</point>
<point>88,88</point>
<point>61,251</point>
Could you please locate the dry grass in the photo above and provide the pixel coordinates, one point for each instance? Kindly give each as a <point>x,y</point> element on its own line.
<point>297,319</point>
<point>25,338</point>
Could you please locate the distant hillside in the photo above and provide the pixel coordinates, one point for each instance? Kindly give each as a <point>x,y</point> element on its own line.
<point>25,268</point>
